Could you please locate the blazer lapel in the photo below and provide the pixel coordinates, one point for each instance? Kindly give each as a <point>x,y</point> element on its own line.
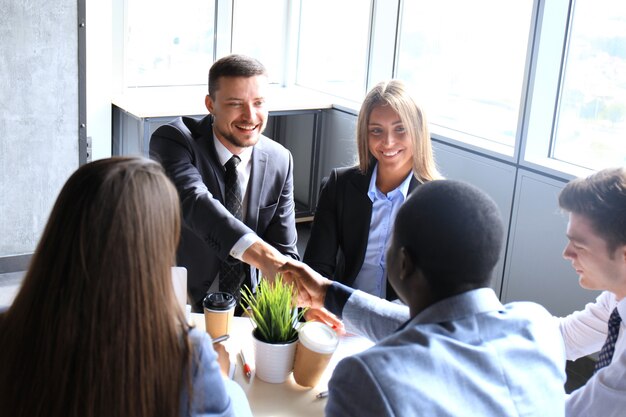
<point>256,184</point>
<point>214,182</point>
<point>413,184</point>
<point>358,227</point>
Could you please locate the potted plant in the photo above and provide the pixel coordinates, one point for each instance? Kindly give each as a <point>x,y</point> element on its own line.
<point>275,317</point>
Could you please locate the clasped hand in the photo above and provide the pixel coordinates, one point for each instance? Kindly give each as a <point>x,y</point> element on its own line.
<point>311,288</point>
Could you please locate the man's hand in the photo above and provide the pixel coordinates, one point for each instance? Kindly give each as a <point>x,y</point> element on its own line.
<point>311,286</point>
<point>326,317</point>
<point>265,258</point>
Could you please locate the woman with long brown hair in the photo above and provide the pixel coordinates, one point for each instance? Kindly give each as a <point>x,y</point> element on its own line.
<point>95,329</point>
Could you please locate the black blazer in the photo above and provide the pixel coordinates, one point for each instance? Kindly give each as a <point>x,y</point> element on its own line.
<point>186,150</point>
<point>338,241</point>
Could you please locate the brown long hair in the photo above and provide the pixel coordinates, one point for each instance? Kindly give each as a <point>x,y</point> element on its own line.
<point>394,94</point>
<point>95,329</point>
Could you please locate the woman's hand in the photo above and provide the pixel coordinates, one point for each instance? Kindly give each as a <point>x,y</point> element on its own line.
<point>223,358</point>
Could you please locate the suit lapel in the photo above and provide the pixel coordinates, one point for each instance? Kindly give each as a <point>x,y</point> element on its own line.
<point>412,185</point>
<point>358,215</point>
<point>256,184</point>
<point>214,182</point>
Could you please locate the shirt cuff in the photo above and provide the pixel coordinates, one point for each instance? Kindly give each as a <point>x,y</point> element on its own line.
<point>336,298</point>
<point>243,244</point>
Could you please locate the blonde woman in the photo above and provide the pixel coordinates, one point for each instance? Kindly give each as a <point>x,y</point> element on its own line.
<point>358,205</point>
<point>95,329</point>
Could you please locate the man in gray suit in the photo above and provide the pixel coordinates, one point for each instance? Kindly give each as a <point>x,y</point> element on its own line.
<point>235,185</point>
<point>461,352</point>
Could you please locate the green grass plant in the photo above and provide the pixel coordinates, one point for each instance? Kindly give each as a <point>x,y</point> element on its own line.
<point>273,310</point>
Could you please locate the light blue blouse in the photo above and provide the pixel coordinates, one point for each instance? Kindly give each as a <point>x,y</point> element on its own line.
<point>212,395</point>
<point>372,277</point>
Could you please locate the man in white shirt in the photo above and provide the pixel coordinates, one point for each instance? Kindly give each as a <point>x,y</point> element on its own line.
<point>597,250</point>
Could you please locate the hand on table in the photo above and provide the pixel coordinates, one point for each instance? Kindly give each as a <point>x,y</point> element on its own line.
<point>326,317</point>
<point>223,358</point>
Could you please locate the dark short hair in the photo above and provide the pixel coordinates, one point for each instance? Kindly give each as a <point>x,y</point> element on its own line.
<point>601,198</point>
<point>453,232</point>
<point>233,66</point>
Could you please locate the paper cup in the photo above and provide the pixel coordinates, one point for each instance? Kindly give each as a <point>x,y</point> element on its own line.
<point>219,309</point>
<point>317,343</point>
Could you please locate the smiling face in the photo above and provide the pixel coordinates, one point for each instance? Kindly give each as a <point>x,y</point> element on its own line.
<point>239,111</point>
<point>597,267</point>
<point>388,141</point>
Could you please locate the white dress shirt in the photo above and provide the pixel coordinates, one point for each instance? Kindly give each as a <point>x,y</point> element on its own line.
<point>243,176</point>
<point>584,332</point>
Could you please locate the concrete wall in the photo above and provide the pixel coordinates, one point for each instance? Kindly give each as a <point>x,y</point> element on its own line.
<point>38,115</point>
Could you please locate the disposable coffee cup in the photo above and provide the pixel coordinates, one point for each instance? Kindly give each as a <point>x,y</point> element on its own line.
<point>219,309</point>
<point>316,344</point>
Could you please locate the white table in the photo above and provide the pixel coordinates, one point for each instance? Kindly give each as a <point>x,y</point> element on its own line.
<point>288,398</point>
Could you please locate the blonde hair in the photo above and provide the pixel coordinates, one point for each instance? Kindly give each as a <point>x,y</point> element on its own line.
<point>95,329</point>
<point>393,93</point>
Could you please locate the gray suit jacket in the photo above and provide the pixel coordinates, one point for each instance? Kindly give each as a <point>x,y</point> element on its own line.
<point>186,150</point>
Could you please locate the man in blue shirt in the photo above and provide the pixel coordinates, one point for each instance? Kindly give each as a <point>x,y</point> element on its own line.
<point>461,352</point>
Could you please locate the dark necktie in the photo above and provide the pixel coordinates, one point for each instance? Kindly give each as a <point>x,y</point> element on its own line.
<point>606,354</point>
<point>231,271</point>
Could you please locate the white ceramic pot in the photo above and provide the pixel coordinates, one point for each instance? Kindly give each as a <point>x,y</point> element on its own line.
<point>273,362</point>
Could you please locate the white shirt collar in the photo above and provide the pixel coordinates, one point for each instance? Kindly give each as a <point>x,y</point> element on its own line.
<point>621,307</point>
<point>223,154</point>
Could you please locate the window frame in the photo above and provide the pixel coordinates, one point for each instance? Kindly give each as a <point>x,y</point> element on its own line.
<point>552,23</point>
<point>543,72</point>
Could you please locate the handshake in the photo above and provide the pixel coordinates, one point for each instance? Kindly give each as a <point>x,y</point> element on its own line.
<point>311,288</point>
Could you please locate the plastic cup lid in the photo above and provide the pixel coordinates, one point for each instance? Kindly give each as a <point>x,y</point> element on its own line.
<point>219,301</point>
<point>318,337</point>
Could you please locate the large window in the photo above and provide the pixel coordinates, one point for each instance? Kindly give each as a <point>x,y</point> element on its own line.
<point>168,43</point>
<point>260,30</point>
<point>465,63</point>
<point>591,123</point>
<point>333,46</point>
<point>542,83</point>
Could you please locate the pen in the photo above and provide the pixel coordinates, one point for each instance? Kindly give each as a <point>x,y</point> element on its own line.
<point>221,338</point>
<point>322,394</point>
<point>246,367</point>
